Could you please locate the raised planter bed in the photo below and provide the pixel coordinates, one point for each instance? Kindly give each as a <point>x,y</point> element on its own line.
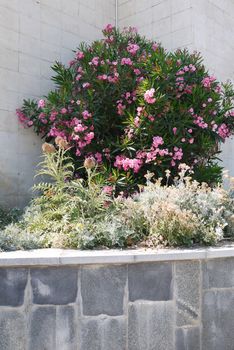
<point>116,300</point>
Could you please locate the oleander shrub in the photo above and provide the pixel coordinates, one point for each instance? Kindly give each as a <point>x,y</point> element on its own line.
<point>135,107</point>
<point>77,213</point>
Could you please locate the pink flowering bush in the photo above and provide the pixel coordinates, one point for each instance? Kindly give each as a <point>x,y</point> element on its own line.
<point>133,107</point>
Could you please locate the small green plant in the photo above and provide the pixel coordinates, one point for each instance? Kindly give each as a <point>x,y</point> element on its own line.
<point>8,216</point>
<point>77,213</point>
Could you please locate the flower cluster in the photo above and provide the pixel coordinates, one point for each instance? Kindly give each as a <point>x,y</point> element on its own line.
<point>134,108</point>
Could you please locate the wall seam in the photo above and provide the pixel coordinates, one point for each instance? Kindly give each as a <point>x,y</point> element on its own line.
<point>116,14</point>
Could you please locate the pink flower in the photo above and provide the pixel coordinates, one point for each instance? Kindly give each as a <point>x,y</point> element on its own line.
<point>80,55</point>
<point>80,70</point>
<point>139,79</point>
<point>223,131</point>
<point>113,79</point>
<point>200,122</point>
<point>192,68</point>
<point>120,107</point>
<point>95,61</point>
<point>140,110</point>
<point>190,131</point>
<point>89,137</point>
<point>180,72</point>
<point>137,122</point>
<point>63,111</point>
<point>154,46</point>
<point>102,77</point>
<point>41,103</point>
<point>178,153</point>
<point>86,85</point>
<point>128,163</point>
<point>53,116</point>
<point>209,100</point>
<point>98,157</point>
<point>174,130</point>
<point>151,118</point>
<point>86,114</point>
<point>78,77</point>
<point>71,63</point>
<point>107,153</point>
<point>149,96</point>
<point>108,28</point>
<point>191,140</point>
<point>80,128</point>
<point>23,119</point>
<point>137,71</point>
<point>133,48</point>
<point>214,126</point>
<point>108,190</point>
<point>157,141</point>
<point>183,139</point>
<point>206,82</point>
<point>126,61</point>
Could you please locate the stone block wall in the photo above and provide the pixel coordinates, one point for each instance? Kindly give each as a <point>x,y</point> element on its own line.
<point>33,35</point>
<point>168,305</point>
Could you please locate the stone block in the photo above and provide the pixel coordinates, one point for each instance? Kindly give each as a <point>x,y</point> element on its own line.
<point>12,286</point>
<point>103,334</point>
<point>12,330</point>
<point>66,328</point>
<point>56,286</point>
<point>102,290</point>
<point>187,338</point>
<point>218,320</point>
<point>150,281</point>
<point>42,328</point>
<point>187,292</point>
<point>218,273</point>
<point>150,326</point>
<point>181,19</point>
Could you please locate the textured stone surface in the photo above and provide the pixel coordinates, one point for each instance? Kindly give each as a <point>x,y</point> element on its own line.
<point>218,273</point>
<point>187,339</point>
<point>56,286</point>
<point>43,328</point>
<point>103,334</point>
<point>152,281</point>
<point>100,316</point>
<point>187,292</point>
<point>66,328</point>
<point>12,330</point>
<point>102,290</point>
<point>150,326</point>
<point>12,286</point>
<point>218,320</point>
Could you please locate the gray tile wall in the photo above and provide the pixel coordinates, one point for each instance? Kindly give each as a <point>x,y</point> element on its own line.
<point>187,305</point>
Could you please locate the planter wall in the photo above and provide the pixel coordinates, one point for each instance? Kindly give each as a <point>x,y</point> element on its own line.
<point>112,300</point>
